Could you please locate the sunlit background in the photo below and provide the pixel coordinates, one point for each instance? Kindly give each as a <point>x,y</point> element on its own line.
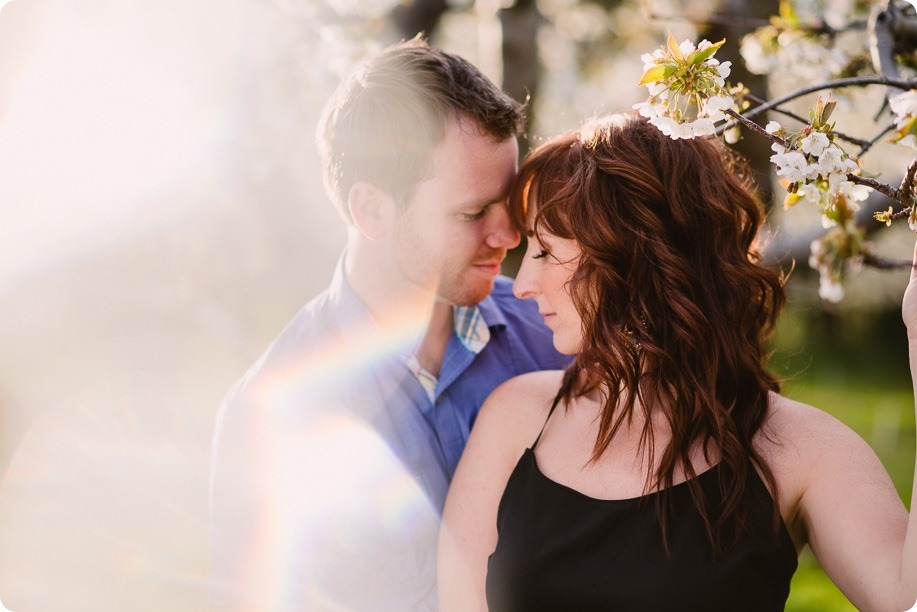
<point>161,218</point>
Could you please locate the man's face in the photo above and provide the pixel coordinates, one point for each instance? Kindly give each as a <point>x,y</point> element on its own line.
<point>455,230</point>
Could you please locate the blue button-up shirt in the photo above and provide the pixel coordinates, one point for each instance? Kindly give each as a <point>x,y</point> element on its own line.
<point>333,448</point>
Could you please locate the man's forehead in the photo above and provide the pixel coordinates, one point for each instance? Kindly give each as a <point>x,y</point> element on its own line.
<point>475,161</point>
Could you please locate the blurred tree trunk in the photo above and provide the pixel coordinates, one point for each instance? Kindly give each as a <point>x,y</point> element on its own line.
<point>412,18</point>
<point>757,150</point>
<point>519,47</point>
<point>521,69</point>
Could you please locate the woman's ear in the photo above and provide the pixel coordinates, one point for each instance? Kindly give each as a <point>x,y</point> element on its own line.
<point>372,209</point>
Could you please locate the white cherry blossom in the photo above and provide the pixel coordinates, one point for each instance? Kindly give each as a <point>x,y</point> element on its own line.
<point>853,192</point>
<point>904,104</point>
<point>793,166</point>
<point>724,69</point>
<point>703,127</point>
<point>716,105</point>
<point>814,143</point>
<point>834,160</point>
<point>829,289</point>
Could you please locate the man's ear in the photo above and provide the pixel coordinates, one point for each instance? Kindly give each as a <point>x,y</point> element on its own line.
<point>372,209</point>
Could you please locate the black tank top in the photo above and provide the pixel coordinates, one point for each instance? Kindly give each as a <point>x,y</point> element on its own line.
<point>559,549</point>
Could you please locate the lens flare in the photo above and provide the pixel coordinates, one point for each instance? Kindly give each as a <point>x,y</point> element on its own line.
<point>95,130</point>
<point>336,498</point>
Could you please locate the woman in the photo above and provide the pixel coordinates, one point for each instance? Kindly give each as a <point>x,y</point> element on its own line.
<point>662,470</point>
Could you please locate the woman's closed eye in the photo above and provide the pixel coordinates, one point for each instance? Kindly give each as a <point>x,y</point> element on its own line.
<point>541,254</point>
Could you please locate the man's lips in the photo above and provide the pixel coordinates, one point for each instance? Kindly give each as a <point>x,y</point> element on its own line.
<point>493,267</point>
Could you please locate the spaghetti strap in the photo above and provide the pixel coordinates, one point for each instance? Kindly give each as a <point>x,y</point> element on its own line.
<point>550,412</point>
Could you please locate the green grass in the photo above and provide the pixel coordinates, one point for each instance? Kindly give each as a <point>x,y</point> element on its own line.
<point>862,379</point>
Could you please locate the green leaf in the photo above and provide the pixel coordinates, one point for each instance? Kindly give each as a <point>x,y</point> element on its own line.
<point>818,116</point>
<point>910,127</point>
<point>699,57</point>
<point>678,71</point>
<point>787,15</point>
<point>674,49</point>
<point>828,109</point>
<point>656,73</point>
<point>792,199</point>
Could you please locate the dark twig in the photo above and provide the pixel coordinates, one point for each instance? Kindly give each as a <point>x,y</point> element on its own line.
<point>907,183</point>
<point>859,180</point>
<point>851,139</point>
<point>750,23</point>
<point>882,188</point>
<point>881,263</point>
<point>869,144</point>
<point>781,111</point>
<point>742,23</point>
<point>754,127</point>
<point>832,84</point>
<point>864,145</point>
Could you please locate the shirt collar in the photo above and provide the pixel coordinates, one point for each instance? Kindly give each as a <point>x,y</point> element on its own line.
<point>348,307</point>
<point>471,328</point>
<point>493,316</point>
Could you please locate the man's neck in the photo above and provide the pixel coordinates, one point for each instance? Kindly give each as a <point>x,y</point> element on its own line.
<point>432,347</point>
<point>396,305</point>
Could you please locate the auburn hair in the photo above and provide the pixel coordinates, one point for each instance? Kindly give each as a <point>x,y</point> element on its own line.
<point>676,306</point>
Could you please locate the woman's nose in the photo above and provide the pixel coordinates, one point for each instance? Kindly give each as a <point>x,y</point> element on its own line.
<point>526,285</point>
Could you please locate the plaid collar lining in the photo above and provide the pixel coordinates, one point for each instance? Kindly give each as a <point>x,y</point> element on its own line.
<point>471,330</point>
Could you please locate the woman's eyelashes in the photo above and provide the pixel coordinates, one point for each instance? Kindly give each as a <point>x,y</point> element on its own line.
<point>541,254</point>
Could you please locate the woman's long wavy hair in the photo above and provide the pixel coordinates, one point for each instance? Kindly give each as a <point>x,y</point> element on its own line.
<point>676,307</point>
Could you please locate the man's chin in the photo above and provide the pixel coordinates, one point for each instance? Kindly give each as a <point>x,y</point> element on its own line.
<point>470,294</point>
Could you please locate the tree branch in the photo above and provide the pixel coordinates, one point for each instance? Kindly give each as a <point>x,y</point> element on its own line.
<point>881,263</point>
<point>852,140</point>
<point>742,23</point>
<point>890,192</point>
<point>875,139</point>
<point>832,84</point>
<point>754,127</point>
<point>882,188</point>
<point>907,183</point>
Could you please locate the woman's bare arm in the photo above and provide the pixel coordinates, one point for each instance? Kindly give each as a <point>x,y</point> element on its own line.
<point>508,422</point>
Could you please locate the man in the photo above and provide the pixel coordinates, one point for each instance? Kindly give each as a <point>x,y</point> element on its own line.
<point>333,454</point>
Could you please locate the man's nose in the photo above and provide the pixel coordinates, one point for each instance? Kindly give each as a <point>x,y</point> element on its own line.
<point>502,234</point>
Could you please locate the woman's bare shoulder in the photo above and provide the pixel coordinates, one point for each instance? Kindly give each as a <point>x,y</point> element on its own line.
<point>519,406</point>
<point>797,434</point>
<point>798,421</point>
<point>525,387</point>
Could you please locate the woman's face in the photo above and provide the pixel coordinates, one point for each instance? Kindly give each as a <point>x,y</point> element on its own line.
<point>547,267</point>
